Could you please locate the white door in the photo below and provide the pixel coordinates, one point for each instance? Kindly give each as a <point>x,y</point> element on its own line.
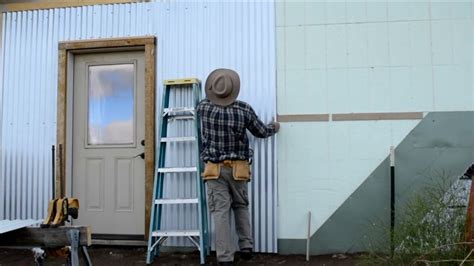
<point>108,177</point>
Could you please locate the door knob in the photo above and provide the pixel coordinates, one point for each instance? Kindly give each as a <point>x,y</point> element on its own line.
<point>141,155</point>
<point>143,142</point>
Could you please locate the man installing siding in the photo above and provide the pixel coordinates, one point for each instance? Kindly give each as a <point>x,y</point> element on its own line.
<point>226,152</point>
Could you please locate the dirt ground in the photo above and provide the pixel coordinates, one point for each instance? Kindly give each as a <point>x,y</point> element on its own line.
<point>136,256</point>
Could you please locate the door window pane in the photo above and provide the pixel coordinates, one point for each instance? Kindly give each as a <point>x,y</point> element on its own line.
<point>111,104</point>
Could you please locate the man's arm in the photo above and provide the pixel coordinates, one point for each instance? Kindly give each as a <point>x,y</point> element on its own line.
<point>258,128</point>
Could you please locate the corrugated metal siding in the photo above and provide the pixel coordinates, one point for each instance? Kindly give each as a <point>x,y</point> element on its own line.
<point>193,39</point>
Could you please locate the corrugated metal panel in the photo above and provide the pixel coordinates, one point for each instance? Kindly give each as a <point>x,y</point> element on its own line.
<point>10,225</point>
<point>2,55</point>
<point>193,39</point>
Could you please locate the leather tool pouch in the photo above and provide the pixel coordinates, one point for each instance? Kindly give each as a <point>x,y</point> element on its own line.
<point>211,171</point>
<point>241,170</point>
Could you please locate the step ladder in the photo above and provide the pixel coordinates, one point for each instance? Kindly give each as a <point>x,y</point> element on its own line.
<point>189,91</point>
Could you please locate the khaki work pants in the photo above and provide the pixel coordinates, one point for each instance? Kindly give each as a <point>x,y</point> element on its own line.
<point>225,193</point>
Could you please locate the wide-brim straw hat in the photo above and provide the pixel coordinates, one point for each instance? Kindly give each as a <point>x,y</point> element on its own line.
<point>222,86</point>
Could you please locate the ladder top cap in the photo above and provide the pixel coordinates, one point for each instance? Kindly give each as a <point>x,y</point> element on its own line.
<point>181,81</point>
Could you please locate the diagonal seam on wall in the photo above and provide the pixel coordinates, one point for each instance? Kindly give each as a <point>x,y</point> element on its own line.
<point>441,139</point>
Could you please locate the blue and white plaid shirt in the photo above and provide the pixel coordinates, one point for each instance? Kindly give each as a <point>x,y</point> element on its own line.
<point>224,130</point>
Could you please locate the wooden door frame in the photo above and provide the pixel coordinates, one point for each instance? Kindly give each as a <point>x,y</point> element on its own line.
<point>67,50</point>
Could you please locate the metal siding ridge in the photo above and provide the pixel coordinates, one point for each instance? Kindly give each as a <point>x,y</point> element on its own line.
<point>7,158</point>
<point>32,119</point>
<point>42,134</point>
<point>2,85</point>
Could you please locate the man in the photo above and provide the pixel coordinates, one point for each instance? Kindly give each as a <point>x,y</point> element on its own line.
<point>226,152</point>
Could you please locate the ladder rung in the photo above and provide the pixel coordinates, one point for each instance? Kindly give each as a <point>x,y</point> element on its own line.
<point>177,170</point>
<point>176,233</point>
<point>174,110</point>
<point>178,139</point>
<point>181,81</point>
<point>183,117</point>
<point>176,201</point>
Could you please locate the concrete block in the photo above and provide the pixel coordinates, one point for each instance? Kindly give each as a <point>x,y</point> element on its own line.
<point>398,11</point>
<point>440,10</point>
<point>462,41</point>
<point>379,89</point>
<point>294,47</point>
<point>315,46</point>
<point>356,11</point>
<point>280,13</point>
<point>315,94</point>
<point>357,45</point>
<point>376,11</point>
<point>281,48</point>
<point>337,48</point>
<point>441,32</point>
<point>461,9</point>
<point>399,38</point>
<point>378,52</point>
<point>315,12</point>
<point>401,96</point>
<point>421,78</point>
<point>452,88</point>
<point>294,13</point>
<point>335,12</point>
<point>338,90</point>
<point>420,43</point>
<point>359,90</point>
<point>295,82</point>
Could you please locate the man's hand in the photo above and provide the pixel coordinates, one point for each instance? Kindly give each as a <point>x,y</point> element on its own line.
<point>276,125</point>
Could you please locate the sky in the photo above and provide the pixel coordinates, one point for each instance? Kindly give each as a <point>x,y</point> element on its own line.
<point>111,103</point>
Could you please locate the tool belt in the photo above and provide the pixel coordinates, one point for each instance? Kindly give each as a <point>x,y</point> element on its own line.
<point>240,170</point>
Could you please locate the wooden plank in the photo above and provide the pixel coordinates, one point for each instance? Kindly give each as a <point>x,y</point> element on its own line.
<point>149,130</point>
<point>469,224</point>
<point>107,43</point>
<point>45,237</point>
<point>303,118</point>
<point>61,119</point>
<point>377,116</point>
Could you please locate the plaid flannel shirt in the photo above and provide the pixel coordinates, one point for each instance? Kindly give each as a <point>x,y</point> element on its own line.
<point>224,130</point>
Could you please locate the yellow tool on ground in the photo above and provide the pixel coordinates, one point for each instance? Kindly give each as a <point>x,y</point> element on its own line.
<point>60,208</point>
<point>59,211</point>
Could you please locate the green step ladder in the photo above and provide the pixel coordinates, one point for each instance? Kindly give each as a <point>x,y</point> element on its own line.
<point>199,236</point>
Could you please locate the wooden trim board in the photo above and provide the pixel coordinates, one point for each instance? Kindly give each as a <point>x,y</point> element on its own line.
<point>107,43</point>
<point>377,116</point>
<point>350,117</point>
<point>303,118</point>
<point>149,131</point>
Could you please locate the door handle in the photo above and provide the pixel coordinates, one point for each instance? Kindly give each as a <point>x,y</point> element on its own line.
<point>141,155</point>
<point>142,142</point>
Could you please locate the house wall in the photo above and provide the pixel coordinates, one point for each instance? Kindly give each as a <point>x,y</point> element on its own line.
<point>193,39</point>
<point>359,57</point>
<point>22,5</point>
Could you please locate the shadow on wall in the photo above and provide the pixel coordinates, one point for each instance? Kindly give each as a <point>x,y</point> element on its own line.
<point>441,142</point>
